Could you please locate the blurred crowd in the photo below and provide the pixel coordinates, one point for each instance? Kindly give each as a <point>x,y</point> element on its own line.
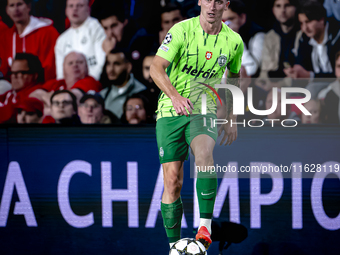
<point>88,61</point>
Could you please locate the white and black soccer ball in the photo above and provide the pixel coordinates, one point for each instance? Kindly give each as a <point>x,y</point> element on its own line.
<point>167,38</point>
<point>188,246</point>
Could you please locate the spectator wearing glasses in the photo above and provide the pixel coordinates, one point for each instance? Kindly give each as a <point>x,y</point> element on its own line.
<point>63,108</point>
<point>91,110</point>
<point>26,75</point>
<point>30,111</point>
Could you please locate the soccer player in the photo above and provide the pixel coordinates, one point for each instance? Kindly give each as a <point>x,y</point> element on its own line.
<point>194,49</point>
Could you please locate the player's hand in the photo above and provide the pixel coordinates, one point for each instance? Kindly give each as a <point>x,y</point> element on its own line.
<point>230,133</point>
<point>182,105</point>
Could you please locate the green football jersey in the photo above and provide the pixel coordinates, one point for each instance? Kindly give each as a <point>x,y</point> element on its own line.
<point>197,58</point>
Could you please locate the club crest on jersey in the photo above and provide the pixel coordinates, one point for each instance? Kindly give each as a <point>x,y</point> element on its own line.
<point>222,60</point>
<point>161,152</point>
<point>167,38</point>
<point>208,55</point>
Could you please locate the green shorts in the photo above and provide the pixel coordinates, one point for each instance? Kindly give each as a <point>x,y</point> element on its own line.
<point>174,135</point>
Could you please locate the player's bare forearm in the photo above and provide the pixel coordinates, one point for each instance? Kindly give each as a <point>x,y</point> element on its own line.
<point>232,79</point>
<point>181,104</point>
<point>161,79</point>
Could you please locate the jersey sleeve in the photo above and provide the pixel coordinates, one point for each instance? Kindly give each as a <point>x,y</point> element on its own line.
<point>235,63</point>
<point>172,43</point>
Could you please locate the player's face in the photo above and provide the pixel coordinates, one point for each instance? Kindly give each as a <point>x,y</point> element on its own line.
<point>20,75</point>
<point>117,68</point>
<point>62,106</point>
<point>135,111</point>
<point>77,11</point>
<point>236,21</point>
<point>312,28</point>
<point>113,28</point>
<point>337,68</point>
<point>212,10</point>
<point>146,68</point>
<point>90,112</point>
<point>283,11</point>
<point>313,107</point>
<point>75,66</point>
<point>27,117</point>
<point>170,18</point>
<point>18,11</point>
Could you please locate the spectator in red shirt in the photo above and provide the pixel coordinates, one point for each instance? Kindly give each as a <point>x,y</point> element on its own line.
<point>76,80</point>
<point>30,34</point>
<point>3,68</point>
<point>26,74</point>
<point>30,111</point>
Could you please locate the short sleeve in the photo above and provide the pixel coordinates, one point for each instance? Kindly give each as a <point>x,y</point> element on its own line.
<point>172,43</point>
<point>235,63</point>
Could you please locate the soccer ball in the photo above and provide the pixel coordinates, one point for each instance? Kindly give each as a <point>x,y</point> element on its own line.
<point>187,246</point>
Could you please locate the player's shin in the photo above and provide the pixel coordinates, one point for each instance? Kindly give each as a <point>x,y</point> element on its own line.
<point>172,217</point>
<point>206,187</point>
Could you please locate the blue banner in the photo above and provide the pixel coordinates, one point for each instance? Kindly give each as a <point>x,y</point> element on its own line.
<point>97,190</point>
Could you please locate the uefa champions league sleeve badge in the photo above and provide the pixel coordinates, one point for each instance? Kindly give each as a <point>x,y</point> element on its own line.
<point>222,60</point>
<point>167,38</point>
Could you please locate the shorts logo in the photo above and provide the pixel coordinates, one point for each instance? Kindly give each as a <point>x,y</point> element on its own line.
<point>208,55</point>
<point>164,48</point>
<point>167,38</point>
<point>161,152</point>
<point>222,60</point>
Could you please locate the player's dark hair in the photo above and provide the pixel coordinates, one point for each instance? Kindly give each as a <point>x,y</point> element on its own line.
<point>74,99</point>
<point>314,10</point>
<point>34,65</point>
<point>238,7</point>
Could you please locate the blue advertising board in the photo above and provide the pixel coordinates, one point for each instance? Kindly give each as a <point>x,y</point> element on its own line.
<point>97,190</point>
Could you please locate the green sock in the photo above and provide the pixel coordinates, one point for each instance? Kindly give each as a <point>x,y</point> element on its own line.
<point>172,217</point>
<point>206,187</point>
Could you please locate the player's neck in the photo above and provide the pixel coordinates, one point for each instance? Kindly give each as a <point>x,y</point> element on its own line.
<point>210,28</point>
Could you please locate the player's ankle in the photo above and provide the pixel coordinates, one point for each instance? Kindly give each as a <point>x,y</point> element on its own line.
<point>206,223</point>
